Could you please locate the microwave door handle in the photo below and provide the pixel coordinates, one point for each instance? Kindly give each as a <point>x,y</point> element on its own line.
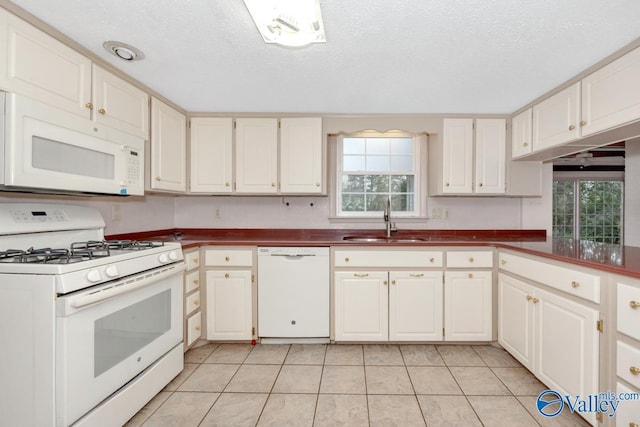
<point>127,286</point>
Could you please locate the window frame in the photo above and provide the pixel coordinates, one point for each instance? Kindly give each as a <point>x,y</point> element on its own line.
<point>419,144</point>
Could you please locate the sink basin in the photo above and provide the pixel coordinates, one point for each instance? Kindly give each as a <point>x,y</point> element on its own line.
<point>383,239</point>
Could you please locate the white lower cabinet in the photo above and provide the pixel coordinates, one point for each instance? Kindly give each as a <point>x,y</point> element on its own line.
<point>382,306</point>
<point>553,336</point>
<point>229,305</point>
<point>467,306</point>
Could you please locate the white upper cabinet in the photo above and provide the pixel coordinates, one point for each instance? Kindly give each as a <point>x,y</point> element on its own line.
<point>490,156</point>
<point>257,156</point>
<point>119,104</point>
<point>35,64</point>
<point>168,148</point>
<point>457,156</point>
<point>301,155</point>
<point>611,95</point>
<point>521,134</point>
<point>556,120</point>
<point>211,145</point>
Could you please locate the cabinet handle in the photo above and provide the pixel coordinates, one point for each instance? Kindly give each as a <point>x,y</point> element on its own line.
<point>226,275</point>
<point>535,300</point>
<point>346,259</point>
<point>385,283</point>
<point>634,370</point>
<point>102,111</point>
<point>361,274</point>
<point>196,302</point>
<point>503,261</point>
<point>525,144</point>
<point>227,258</point>
<point>470,275</point>
<point>582,123</point>
<point>632,424</point>
<point>529,297</point>
<point>575,284</point>
<point>393,282</point>
<point>572,127</point>
<point>471,259</point>
<point>634,304</point>
<point>197,328</point>
<point>89,105</point>
<point>431,260</point>
<point>415,275</point>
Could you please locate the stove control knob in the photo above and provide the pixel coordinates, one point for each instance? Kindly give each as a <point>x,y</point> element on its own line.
<point>111,271</point>
<point>163,258</point>
<point>173,256</point>
<point>93,276</point>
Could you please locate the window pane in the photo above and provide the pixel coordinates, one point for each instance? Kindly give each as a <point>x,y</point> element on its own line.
<point>378,163</point>
<point>563,203</point>
<point>402,146</point>
<point>376,202</point>
<point>353,202</point>
<point>402,202</point>
<point>402,184</point>
<point>402,163</point>
<point>377,183</point>
<point>378,146</point>
<point>353,146</point>
<point>353,183</point>
<point>601,211</point>
<point>353,163</point>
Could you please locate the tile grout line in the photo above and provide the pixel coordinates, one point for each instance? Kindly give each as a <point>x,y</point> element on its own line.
<point>415,394</point>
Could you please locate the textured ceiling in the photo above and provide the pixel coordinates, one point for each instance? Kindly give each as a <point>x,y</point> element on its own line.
<point>381,56</point>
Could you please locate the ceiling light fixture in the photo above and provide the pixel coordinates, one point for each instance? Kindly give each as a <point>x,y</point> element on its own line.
<point>123,51</point>
<point>292,23</point>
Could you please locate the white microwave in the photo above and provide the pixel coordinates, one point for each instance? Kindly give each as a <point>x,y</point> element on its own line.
<point>45,149</point>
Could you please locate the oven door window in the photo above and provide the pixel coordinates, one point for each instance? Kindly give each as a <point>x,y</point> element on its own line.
<point>123,333</point>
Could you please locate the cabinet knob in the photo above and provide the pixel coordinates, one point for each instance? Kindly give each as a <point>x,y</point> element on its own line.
<point>525,144</point>
<point>227,258</point>
<point>431,260</point>
<point>447,184</point>
<point>634,304</point>
<point>632,424</point>
<point>273,184</point>
<point>393,282</point>
<point>480,184</point>
<point>102,111</point>
<point>385,283</point>
<point>535,300</point>
<point>634,370</point>
<point>571,127</point>
<point>575,284</point>
<point>196,302</point>
<point>470,275</point>
<point>196,282</point>
<point>196,260</point>
<point>226,275</point>
<point>227,184</point>
<point>346,259</point>
<point>158,178</point>
<point>471,259</point>
<point>197,328</point>
<point>582,123</point>
<point>317,184</point>
<point>529,297</point>
<point>89,105</point>
<point>503,261</point>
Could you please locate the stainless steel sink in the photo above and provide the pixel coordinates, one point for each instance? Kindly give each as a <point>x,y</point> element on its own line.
<point>382,239</point>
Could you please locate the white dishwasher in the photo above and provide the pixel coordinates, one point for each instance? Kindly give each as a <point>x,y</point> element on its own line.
<point>293,293</point>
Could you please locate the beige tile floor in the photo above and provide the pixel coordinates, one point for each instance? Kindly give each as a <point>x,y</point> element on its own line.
<point>349,385</point>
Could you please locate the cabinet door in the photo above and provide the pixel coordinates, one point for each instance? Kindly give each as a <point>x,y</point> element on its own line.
<point>457,155</point>
<point>301,155</point>
<point>119,104</point>
<point>515,319</point>
<point>168,148</point>
<point>415,306</point>
<point>490,156</point>
<point>35,64</point>
<point>467,306</point>
<point>256,155</point>
<point>211,146</point>
<point>521,134</point>
<point>611,95</point>
<point>567,346</point>
<point>361,306</point>
<point>556,120</point>
<point>229,315</point>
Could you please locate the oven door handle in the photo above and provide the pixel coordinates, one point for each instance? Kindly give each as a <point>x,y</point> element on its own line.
<point>128,285</point>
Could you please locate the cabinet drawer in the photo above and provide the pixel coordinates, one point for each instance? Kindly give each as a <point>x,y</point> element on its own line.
<point>194,328</point>
<point>629,310</point>
<point>191,282</point>
<point>628,363</point>
<point>467,259</point>
<point>229,257</point>
<point>578,283</point>
<point>192,259</point>
<point>627,414</point>
<point>400,258</point>
<point>192,303</point>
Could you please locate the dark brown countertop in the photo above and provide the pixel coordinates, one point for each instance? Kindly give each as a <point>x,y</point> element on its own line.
<point>624,260</point>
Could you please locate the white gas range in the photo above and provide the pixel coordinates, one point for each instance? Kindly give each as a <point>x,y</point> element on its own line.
<point>92,329</point>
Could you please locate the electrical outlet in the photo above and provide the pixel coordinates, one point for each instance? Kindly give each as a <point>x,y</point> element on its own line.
<point>436,213</point>
<point>445,213</point>
<point>115,213</point>
<point>218,213</point>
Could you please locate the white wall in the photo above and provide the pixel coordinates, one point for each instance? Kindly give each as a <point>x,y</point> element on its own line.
<point>631,193</point>
<point>537,211</point>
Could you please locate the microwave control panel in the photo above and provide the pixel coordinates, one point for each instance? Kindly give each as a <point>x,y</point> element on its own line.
<point>134,171</point>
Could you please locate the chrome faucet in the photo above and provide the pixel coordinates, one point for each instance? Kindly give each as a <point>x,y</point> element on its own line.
<point>387,218</point>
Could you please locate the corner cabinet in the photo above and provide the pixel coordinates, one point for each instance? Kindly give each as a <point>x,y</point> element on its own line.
<point>468,161</point>
<point>168,148</point>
